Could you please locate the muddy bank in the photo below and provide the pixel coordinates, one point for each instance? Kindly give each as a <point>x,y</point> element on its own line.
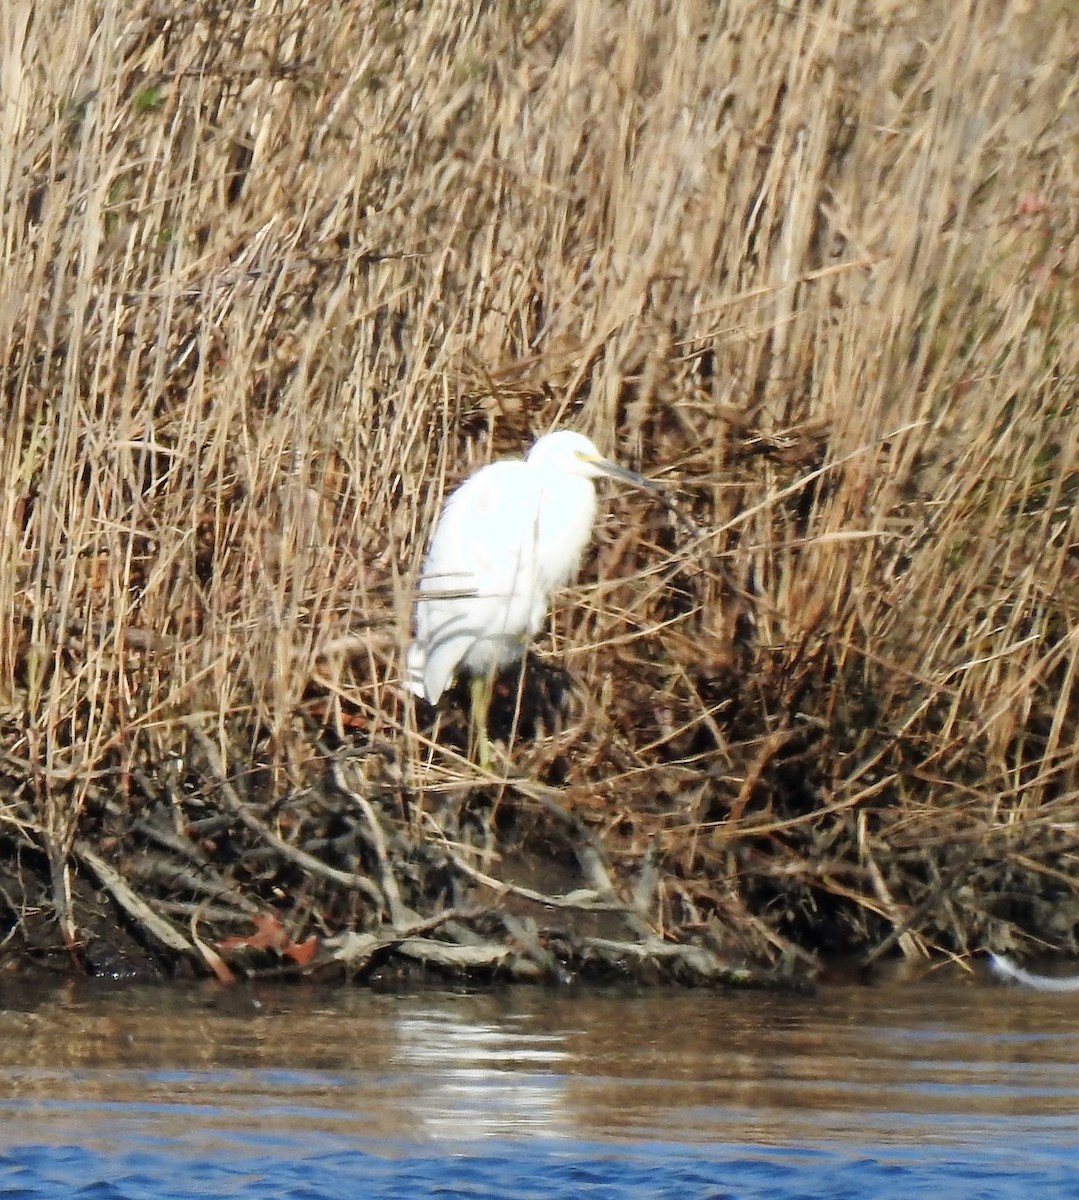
<point>360,872</point>
<point>498,882</point>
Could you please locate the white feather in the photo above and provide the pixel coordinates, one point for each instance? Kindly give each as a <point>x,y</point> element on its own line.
<point>1042,983</point>
<point>506,538</point>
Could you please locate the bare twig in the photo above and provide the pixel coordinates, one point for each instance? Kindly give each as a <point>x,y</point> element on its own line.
<point>137,909</point>
<point>398,913</point>
<point>293,854</point>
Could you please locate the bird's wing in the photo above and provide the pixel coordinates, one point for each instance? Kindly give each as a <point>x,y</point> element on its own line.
<point>485,536</point>
<point>429,668</point>
<point>480,572</point>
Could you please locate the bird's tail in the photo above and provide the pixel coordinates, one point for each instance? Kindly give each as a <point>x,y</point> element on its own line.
<point>415,670</point>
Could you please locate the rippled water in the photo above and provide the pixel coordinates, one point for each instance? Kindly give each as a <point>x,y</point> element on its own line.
<point>908,1089</point>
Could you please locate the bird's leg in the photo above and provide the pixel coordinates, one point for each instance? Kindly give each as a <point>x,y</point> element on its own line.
<point>481,687</point>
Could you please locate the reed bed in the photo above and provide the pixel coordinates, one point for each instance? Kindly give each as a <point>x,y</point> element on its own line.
<point>276,275</point>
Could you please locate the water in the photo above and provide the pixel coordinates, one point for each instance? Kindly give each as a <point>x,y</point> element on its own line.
<point>917,1089</point>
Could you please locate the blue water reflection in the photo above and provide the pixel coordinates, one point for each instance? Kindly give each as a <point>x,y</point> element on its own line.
<point>524,1169</point>
<point>914,1090</point>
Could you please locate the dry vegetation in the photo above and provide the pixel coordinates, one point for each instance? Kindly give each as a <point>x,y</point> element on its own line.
<point>276,274</point>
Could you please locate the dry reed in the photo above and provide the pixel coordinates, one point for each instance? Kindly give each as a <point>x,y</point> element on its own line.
<point>275,275</point>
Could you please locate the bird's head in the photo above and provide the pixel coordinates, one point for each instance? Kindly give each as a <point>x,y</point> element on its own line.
<point>572,453</point>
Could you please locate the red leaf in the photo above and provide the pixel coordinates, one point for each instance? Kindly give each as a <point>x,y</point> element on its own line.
<point>302,952</point>
<point>270,935</point>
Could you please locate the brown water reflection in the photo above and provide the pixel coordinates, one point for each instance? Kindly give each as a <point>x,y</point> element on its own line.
<point>938,1060</point>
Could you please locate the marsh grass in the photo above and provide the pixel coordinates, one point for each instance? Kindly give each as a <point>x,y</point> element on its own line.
<point>276,276</point>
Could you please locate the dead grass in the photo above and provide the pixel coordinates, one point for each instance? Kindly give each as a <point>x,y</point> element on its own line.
<point>275,275</point>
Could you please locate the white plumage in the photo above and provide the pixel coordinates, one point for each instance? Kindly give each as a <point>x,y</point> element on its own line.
<point>511,534</point>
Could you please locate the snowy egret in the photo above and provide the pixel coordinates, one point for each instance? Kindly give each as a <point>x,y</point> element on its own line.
<point>511,534</point>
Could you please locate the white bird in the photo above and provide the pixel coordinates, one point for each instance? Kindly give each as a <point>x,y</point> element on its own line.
<point>511,534</point>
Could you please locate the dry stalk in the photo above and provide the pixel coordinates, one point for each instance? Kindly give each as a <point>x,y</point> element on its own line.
<point>273,279</point>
